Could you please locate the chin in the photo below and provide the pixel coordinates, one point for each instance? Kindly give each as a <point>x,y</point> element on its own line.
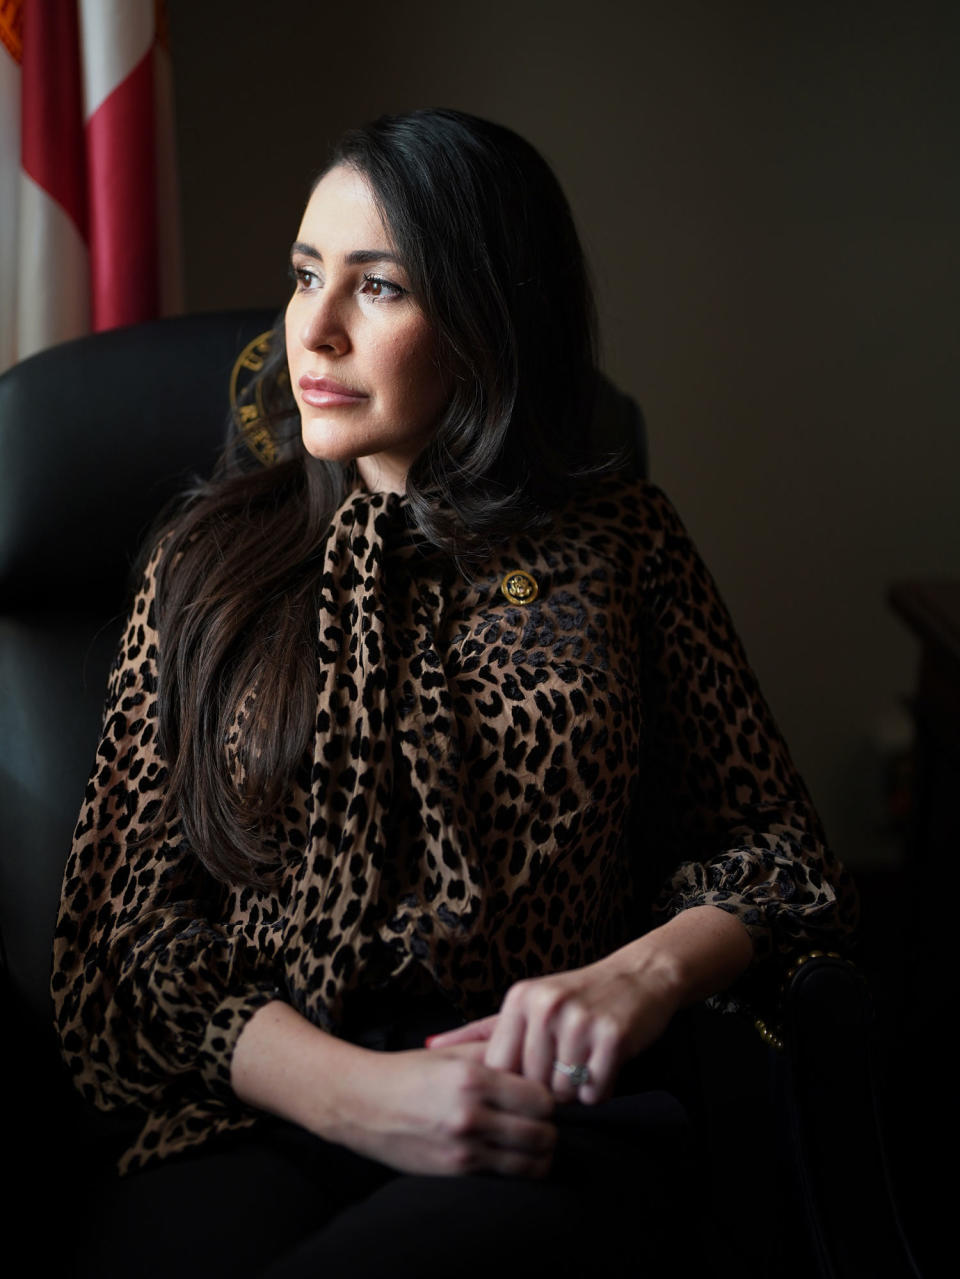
<point>328,444</point>
<point>326,454</point>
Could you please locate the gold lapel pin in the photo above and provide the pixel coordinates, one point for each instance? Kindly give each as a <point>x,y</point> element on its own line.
<point>519,587</point>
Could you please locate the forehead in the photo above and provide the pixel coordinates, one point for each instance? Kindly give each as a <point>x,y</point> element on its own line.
<point>342,215</point>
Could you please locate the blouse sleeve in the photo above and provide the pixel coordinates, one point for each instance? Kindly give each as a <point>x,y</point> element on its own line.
<point>723,806</point>
<point>150,990</point>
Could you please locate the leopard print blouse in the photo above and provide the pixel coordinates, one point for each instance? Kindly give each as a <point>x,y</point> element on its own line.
<point>494,790</point>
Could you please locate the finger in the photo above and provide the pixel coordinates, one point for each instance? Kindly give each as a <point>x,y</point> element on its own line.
<point>513,1145</point>
<point>523,1151</point>
<point>506,1141</point>
<point>603,1066</point>
<point>602,1055</point>
<point>515,1095</point>
<point>573,1049</point>
<point>505,1049</point>
<point>480,1030</point>
<point>473,1051</point>
<point>532,1137</point>
<point>539,1049</point>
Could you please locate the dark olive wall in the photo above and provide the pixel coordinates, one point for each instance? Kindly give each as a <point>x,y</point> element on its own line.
<point>769,196</point>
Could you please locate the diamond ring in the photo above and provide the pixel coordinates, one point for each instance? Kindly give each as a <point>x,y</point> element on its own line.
<point>576,1074</point>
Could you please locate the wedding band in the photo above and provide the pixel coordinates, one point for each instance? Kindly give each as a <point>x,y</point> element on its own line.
<point>576,1074</point>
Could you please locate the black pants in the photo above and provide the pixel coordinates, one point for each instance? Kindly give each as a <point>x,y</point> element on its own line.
<point>281,1204</point>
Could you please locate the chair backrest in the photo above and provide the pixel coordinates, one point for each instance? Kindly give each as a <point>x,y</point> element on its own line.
<point>95,436</point>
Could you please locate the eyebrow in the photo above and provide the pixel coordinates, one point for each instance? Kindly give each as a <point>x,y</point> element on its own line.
<point>359,257</point>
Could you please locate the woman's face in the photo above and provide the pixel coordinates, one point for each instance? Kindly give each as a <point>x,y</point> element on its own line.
<point>363,356</point>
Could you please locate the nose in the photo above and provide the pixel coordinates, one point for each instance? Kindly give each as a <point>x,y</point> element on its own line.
<point>324,325</point>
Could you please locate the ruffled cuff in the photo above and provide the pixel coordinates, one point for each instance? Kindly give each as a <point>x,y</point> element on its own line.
<point>785,905</point>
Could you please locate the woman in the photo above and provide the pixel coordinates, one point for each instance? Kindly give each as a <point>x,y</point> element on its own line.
<point>383,717</point>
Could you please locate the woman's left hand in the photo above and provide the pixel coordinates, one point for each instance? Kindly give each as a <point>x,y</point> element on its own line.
<point>600,1016</point>
<point>596,1017</point>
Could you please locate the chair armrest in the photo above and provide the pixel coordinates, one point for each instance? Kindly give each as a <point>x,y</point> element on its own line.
<point>827,1103</point>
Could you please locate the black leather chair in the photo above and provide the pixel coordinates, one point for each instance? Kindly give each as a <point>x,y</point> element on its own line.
<point>95,435</point>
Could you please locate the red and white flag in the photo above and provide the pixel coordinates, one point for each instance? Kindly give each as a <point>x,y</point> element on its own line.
<point>89,228</point>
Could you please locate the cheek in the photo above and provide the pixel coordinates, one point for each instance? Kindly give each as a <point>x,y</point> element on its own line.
<point>411,359</point>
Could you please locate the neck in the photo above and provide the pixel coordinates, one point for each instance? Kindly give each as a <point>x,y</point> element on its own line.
<point>382,475</point>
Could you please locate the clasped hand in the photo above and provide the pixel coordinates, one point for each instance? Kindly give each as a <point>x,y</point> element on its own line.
<point>482,1098</point>
<point>598,1016</point>
<point>446,1113</point>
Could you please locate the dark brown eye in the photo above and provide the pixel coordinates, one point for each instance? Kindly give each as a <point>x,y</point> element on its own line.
<point>303,277</point>
<point>374,286</point>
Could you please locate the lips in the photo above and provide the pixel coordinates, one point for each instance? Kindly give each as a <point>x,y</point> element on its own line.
<point>326,393</point>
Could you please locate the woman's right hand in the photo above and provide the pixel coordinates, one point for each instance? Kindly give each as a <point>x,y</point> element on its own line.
<point>439,1112</point>
<point>446,1113</point>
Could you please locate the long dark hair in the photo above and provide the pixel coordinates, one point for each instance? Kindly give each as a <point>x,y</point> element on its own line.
<point>486,237</point>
